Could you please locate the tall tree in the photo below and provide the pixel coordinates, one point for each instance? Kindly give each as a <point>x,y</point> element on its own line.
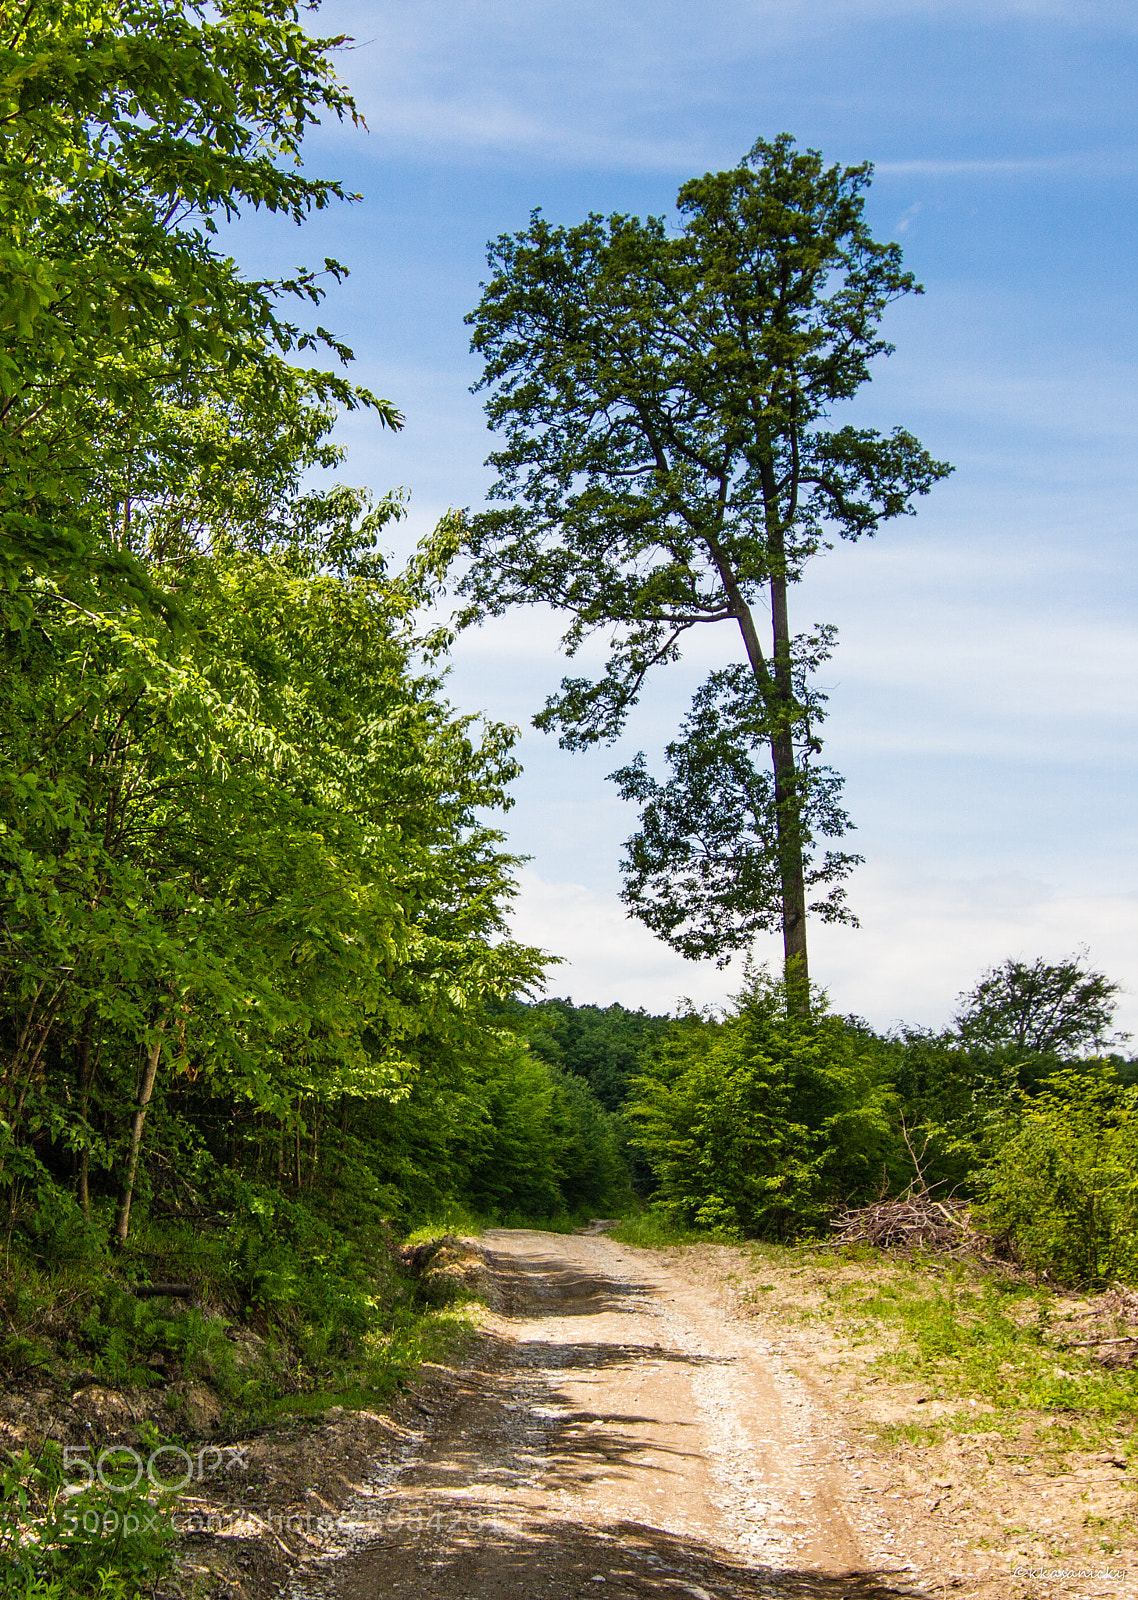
<point>246,847</point>
<point>253,850</point>
<point>663,395</point>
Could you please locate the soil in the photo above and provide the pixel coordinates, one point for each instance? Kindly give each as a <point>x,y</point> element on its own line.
<point>643,1423</point>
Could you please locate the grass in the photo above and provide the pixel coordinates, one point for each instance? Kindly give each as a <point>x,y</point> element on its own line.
<point>992,1346</point>
<point>969,1335</point>
<point>991,1343</point>
<point>651,1231</point>
<point>453,1219</point>
<point>470,1224</point>
<point>384,1367</point>
<point>980,1338</point>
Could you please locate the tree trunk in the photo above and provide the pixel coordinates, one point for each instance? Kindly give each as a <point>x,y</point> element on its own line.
<point>146,1089</point>
<point>778,697</point>
<point>788,802</point>
<point>86,1076</point>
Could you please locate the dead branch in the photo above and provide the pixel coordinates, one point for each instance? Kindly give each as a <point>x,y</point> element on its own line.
<point>915,1221</point>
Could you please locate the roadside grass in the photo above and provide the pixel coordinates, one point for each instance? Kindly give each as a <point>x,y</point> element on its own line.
<point>319,1317</point>
<point>385,1365</point>
<point>464,1224</point>
<point>650,1231</point>
<point>992,1342</point>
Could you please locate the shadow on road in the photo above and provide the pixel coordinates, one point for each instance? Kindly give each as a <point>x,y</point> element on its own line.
<point>552,1354</point>
<point>544,1286</point>
<point>475,1554</point>
<point>536,1490</point>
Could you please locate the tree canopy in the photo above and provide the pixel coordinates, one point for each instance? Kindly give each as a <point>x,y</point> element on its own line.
<point>1039,1007</point>
<point>126,130</point>
<point>250,885</point>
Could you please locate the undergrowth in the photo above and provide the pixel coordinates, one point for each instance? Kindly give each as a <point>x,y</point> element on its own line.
<point>464,1222</point>
<point>650,1230</point>
<point>290,1313</point>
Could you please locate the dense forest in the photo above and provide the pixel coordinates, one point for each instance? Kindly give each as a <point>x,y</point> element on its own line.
<point>255,972</point>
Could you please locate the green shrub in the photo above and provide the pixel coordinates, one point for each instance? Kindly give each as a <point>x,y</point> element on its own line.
<point>57,1233</point>
<point>1064,1187</point>
<point>105,1543</point>
<point>763,1123</point>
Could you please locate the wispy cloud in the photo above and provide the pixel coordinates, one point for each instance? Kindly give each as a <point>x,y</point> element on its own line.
<point>651,85</point>
<point>483,125</point>
<point>1075,163</point>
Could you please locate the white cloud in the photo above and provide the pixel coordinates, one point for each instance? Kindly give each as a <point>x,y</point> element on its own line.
<point>489,124</point>
<point>923,940</point>
<point>1070,164</point>
<point>606,956</point>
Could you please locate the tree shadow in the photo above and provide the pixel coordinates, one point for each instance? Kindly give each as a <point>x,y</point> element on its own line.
<point>488,1512</point>
<point>545,1286</point>
<point>556,1354</point>
<point>468,1553</point>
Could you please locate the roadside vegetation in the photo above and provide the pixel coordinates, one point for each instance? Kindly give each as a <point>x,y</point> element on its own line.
<point>965,1335</point>
<point>767,1123</point>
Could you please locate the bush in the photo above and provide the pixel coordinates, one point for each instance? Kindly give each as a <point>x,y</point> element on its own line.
<point>1064,1188</point>
<point>765,1122</point>
<point>113,1544</point>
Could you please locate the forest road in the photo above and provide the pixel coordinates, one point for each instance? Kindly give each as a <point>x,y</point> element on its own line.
<point>617,1433</point>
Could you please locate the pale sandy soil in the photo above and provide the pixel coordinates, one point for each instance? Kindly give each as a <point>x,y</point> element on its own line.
<point>1000,1506</point>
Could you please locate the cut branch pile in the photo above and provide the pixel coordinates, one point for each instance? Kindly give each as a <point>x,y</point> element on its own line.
<point>916,1221</point>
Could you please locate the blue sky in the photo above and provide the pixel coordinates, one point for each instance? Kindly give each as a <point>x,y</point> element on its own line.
<point>982,694</point>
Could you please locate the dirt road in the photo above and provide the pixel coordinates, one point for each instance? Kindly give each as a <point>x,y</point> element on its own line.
<point>621,1435</point>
